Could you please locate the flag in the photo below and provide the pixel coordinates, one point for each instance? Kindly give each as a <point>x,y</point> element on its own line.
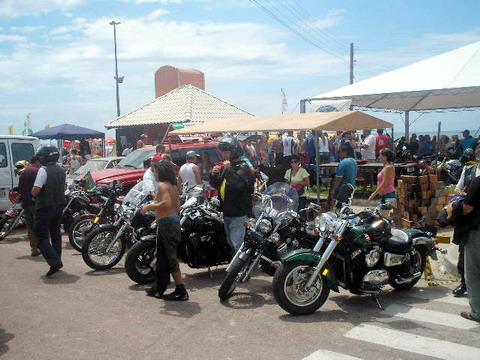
<point>284,102</point>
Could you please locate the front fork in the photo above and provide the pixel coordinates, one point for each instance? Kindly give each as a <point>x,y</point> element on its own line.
<point>117,236</point>
<point>323,260</point>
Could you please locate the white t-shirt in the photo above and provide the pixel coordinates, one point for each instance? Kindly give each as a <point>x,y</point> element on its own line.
<point>288,143</point>
<point>41,178</point>
<point>369,153</point>
<point>323,145</point>
<point>461,182</point>
<point>187,174</point>
<point>150,183</point>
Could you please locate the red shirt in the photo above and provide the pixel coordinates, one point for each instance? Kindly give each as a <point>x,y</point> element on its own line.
<point>381,143</point>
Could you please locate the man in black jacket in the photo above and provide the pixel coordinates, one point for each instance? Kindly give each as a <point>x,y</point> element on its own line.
<point>235,183</point>
<point>49,193</point>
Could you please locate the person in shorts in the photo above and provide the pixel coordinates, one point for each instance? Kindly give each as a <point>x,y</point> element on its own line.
<point>386,183</point>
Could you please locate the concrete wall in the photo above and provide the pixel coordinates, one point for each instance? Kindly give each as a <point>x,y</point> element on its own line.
<point>168,78</point>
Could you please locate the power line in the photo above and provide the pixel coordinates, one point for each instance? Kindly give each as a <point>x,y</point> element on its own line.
<point>298,33</point>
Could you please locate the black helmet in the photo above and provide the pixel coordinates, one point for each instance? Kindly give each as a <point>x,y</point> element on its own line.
<point>378,230</point>
<point>48,154</point>
<point>231,143</point>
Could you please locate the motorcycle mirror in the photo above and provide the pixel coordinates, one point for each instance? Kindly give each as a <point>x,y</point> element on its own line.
<point>345,193</point>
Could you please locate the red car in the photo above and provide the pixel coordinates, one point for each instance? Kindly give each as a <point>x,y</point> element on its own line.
<point>130,170</point>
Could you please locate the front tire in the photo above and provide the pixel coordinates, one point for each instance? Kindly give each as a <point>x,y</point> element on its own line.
<point>94,249</point>
<point>79,230</point>
<point>6,226</point>
<point>229,283</point>
<point>138,260</point>
<point>288,284</point>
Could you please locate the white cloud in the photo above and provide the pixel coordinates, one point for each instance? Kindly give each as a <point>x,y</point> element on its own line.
<point>333,18</point>
<point>26,29</point>
<point>159,1</point>
<point>156,14</point>
<point>12,8</point>
<point>12,38</point>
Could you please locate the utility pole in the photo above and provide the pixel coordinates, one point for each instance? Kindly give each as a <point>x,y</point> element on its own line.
<point>117,79</point>
<point>351,63</point>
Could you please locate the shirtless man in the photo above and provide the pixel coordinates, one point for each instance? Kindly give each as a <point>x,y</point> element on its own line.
<point>166,206</point>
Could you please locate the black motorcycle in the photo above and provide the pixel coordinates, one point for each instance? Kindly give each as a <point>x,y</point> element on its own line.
<point>359,252</point>
<point>276,230</point>
<point>105,245</point>
<point>203,243</point>
<point>78,201</point>
<point>107,203</point>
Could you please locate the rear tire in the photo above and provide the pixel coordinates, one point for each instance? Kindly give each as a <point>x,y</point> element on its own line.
<point>75,236</point>
<point>137,262</point>
<point>229,283</point>
<point>419,267</point>
<point>285,278</point>
<point>94,248</point>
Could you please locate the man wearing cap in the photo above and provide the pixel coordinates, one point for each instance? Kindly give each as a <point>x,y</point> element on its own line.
<point>150,183</point>
<point>468,142</point>
<point>190,172</point>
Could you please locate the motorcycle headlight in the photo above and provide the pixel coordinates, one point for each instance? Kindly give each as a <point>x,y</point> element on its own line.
<point>264,226</point>
<point>324,222</point>
<point>371,259</point>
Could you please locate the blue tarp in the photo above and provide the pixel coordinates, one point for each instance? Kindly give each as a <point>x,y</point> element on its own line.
<point>69,132</point>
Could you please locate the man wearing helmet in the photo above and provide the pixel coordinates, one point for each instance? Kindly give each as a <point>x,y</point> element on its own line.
<point>235,183</point>
<point>49,193</point>
<point>27,175</point>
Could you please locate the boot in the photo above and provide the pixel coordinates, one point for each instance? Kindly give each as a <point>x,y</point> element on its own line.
<point>155,291</point>
<point>180,294</point>
<point>460,290</point>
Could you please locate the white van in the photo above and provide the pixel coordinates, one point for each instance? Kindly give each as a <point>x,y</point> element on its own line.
<point>12,149</point>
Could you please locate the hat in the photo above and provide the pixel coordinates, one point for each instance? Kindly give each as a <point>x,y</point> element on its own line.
<point>191,154</point>
<point>157,159</point>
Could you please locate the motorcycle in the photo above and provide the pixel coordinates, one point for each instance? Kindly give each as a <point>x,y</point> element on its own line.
<point>105,245</point>
<point>108,205</point>
<point>78,202</point>
<point>203,243</point>
<point>358,252</point>
<point>13,216</point>
<point>276,230</point>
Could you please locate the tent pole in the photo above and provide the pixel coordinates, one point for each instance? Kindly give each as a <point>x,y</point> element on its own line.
<point>439,129</point>
<point>393,140</point>
<point>407,126</point>
<point>317,167</point>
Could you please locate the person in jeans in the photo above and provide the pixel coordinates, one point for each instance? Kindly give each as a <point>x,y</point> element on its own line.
<point>235,183</point>
<point>166,206</point>
<point>25,184</point>
<point>49,193</point>
<point>471,208</point>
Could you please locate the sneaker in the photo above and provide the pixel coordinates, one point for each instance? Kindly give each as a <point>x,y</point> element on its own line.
<point>53,269</point>
<point>459,291</point>
<point>180,294</point>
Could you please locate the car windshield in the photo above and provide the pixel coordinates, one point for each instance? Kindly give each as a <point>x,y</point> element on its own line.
<point>135,158</point>
<point>91,165</point>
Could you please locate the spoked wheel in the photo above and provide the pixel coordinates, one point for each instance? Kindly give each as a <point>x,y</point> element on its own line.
<point>78,232</point>
<point>7,224</point>
<point>290,293</point>
<point>138,260</point>
<point>233,276</point>
<point>94,250</point>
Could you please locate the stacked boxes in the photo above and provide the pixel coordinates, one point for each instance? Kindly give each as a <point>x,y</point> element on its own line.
<point>420,197</point>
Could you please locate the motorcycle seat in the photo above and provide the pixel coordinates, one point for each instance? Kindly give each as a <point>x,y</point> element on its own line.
<point>399,242</point>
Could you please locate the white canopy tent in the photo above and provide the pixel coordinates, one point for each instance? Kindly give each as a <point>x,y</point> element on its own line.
<point>447,81</point>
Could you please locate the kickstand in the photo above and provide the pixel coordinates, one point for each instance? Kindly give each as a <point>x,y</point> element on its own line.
<point>375,298</point>
<point>210,273</point>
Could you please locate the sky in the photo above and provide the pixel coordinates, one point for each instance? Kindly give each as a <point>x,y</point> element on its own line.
<point>57,56</point>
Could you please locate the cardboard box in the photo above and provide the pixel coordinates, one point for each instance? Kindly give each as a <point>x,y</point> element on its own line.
<point>433,177</point>
<point>423,179</point>
<point>409,179</point>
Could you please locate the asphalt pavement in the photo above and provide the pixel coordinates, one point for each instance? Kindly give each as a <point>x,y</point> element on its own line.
<point>83,314</point>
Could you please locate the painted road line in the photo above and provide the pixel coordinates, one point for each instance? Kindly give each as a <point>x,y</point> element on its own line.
<point>329,355</point>
<point>448,299</point>
<point>430,316</point>
<point>413,343</point>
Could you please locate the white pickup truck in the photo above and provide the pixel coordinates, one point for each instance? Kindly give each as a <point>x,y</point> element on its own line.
<point>12,149</point>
